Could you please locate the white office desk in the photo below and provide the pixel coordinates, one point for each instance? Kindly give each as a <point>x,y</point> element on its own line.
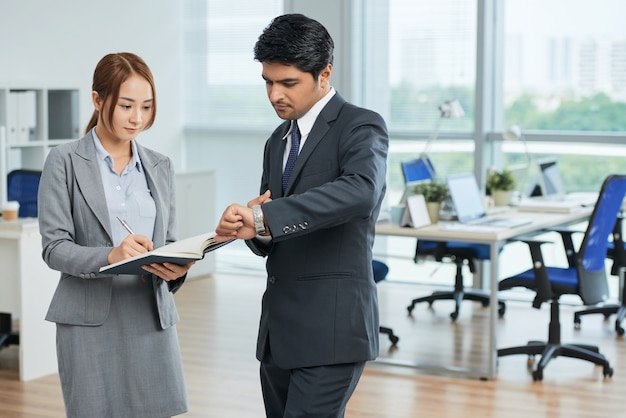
<point>495,238</point>
<point>26,288</point>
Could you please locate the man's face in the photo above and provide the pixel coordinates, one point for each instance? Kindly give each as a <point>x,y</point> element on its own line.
<point>293,92</point>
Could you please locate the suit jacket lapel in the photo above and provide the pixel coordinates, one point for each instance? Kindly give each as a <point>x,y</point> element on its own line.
<point>322,125</point>
<point>149,165</point>
<point>276,163</point>
<point>86,170</point>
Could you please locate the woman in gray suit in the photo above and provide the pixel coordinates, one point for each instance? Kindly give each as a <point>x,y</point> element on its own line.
<point>117,345</point>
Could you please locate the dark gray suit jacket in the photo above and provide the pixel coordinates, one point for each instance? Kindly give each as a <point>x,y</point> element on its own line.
<point>320,306</point>
<point>76,231</point>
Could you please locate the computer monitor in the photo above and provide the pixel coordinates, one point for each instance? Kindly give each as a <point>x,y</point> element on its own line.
<point>414,172</point>
<point>417,170</point>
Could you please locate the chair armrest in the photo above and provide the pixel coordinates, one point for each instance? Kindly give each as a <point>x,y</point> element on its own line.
<point>568,243</point>
<point>530,240</point>
<point>542,281</point>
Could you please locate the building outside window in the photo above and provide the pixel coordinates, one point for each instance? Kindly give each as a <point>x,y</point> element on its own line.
<point>565,84</point>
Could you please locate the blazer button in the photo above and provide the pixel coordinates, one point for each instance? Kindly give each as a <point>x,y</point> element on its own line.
<point>272,279</point>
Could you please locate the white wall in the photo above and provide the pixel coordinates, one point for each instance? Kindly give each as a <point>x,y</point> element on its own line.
<point>57,44</point>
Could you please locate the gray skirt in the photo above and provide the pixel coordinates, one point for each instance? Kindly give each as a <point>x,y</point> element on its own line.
<point>128,366</point>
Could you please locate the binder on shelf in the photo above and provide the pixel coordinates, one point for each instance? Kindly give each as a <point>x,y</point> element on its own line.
<point>21,116</point>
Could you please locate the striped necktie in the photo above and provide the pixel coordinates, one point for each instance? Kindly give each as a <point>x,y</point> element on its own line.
<point>293,154</point>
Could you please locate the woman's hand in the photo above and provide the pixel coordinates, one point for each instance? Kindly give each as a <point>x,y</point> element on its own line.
<point>168,271</point>
<point>132,245</point>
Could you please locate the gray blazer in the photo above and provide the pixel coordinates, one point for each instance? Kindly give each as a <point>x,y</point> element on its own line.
<point>320,306</point>
<point>76,231</point>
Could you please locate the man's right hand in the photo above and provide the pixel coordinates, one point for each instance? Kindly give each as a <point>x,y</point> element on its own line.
<point>237,222</point>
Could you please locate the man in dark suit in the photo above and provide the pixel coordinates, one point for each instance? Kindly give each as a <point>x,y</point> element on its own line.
<point>319,319</point>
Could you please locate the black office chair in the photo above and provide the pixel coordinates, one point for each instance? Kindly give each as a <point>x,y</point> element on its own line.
<point>7,335</point>
<point>616,252</point>
<point>380,273</point>
<point>23,185</point>
<point>585,276</point>
<point>460,253</point>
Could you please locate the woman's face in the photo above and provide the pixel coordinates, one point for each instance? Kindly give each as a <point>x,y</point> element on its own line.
<point>132,111</point>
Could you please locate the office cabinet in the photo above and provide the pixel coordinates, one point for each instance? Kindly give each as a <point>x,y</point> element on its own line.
<point>32,120</point>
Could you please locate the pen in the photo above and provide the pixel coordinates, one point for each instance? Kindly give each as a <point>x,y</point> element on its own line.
<point>125,225</point>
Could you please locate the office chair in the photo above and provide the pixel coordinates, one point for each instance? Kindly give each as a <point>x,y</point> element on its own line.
<point>585,276</point>
<point>7,335</point>
<point>23,185</point>
<point>616,252</point>
<point>460,253</point>
<point>380,273</point>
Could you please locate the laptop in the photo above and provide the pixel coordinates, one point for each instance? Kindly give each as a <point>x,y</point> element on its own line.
<point>415,172</point>
<point>552,186</point>
<point>553,197</point>
<point>470,209</point>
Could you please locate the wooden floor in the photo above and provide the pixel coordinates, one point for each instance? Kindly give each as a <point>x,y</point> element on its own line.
<point>219,317</point>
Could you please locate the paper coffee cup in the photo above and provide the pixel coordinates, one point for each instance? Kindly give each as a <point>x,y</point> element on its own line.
<point>10,210</point>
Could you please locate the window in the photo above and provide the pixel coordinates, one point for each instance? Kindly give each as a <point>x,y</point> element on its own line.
<point>565,65</point>
<point>564,84</point>
<point>223,85</point>
<point>432,59</point>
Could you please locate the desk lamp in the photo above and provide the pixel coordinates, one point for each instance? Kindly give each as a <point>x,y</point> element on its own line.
<point>450,109</point>
<point>514,133</point>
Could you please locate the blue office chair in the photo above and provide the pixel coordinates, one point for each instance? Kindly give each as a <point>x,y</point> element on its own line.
<point>380,273</point>
<point>616,252</point>
<point>23,185</point>
<point>585,276</point>
<point>460,253</point>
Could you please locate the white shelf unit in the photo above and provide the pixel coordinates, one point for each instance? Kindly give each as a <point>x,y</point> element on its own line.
<point>32,120</point>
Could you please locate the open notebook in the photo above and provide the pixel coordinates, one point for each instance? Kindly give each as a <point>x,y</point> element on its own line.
<point>468,202</point>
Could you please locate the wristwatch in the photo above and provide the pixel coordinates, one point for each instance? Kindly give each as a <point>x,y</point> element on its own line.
<point>257,215</point>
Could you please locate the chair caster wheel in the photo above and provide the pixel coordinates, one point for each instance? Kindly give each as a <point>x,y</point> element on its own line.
<point>619,329</point>
<point>410,309</point>
<point>607,371</point>
<point>394,340</point>
<point>454,315</point>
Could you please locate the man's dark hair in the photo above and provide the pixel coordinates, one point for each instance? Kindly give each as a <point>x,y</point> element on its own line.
<point>297,40</point>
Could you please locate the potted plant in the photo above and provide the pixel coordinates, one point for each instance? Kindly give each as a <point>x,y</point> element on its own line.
<point>434,192</point>
<point>500,184</point>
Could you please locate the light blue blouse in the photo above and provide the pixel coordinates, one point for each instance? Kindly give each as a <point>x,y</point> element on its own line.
<point>127,195</point>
